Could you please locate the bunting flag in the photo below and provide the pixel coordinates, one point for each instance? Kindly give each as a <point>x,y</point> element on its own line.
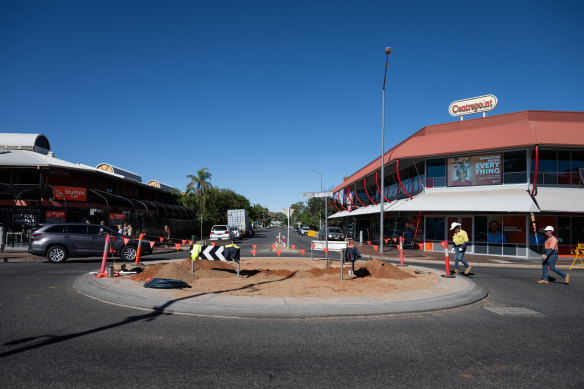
<point>302,252</point>
<point>253,252</point>
<point>161,239</point>
<point>313,246</point>
<point>177,245</point>
<point>421,246</point>
<point>112,250</point>
<point>190,242</point>
<point>326,250</point>
<point>444,244</point>
<point>152,243</point>
<point>293,247</point>
<point>126,240</point>
<point>368,242</point>
<point>254,246</point>
<point>212,243</point>
<point>386,240</point>
<point>184,241</point>
<point>394,240</point>
<point>279,252</point>
<point>375,247</point>
<point>273,247</point>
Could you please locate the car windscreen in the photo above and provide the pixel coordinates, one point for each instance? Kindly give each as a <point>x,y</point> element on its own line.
<point>335,229</point>
<point>219,228</point>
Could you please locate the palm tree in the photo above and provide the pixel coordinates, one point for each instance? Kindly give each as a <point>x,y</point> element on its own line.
<point>199,182</point>
<point>198,186</point>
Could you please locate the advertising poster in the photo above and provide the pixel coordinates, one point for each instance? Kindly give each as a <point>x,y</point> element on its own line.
<point>475,170</point>
<point>55,217</point>
<point>70,193</point>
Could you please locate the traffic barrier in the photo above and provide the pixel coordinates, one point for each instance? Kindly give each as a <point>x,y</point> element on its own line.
<point>229,253</point>
<point>139,248</point>
<point>444,244</point>
<point>105,252</point>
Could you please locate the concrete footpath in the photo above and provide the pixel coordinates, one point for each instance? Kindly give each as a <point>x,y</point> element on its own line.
<point>446,293</point>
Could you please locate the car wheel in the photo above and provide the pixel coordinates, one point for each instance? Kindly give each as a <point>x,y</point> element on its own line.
<point>128,253</point>
<point>57,254</point>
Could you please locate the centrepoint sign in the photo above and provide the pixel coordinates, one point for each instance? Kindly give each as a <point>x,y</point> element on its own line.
<point>474,105</point>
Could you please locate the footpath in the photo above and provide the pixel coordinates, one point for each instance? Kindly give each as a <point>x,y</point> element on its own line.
<point>446,293</point>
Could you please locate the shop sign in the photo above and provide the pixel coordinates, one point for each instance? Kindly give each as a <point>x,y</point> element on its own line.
<point>117,218</point>
<point>70,193</point>
<point>55,216</point>
<point>475,170</point>
<point>473,105</point>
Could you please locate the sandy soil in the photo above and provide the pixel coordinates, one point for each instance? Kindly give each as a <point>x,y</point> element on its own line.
<point>290,277</point>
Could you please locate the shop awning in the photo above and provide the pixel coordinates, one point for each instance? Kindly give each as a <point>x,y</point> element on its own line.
<point>500,200</point>
<point>367,210</point>
<point>560,199</point>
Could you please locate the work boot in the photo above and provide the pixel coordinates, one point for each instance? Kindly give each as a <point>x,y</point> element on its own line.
<point>455,271</point>
<point>468,269</point>
<point>543,282</point>
<point>567,279</point>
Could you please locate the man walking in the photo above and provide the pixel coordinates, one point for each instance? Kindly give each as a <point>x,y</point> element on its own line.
<point>550,257</point>
<point>460,239</point>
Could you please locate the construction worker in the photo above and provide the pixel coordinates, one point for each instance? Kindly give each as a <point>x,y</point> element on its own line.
<point>460,239</point>
<point>550,257</point>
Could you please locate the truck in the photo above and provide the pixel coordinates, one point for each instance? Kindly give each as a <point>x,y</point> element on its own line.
<point>238,218</point>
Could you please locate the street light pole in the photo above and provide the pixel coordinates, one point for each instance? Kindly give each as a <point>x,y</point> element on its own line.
<point>387,52</point>
<point>319,215</point>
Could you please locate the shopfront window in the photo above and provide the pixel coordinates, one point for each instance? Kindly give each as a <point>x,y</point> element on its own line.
<point>435,227</point>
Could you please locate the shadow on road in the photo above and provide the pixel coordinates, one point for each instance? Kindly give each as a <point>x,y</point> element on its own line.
<point>50,339</point>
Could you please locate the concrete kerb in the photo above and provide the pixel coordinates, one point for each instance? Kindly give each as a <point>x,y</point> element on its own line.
<point>445,294</point>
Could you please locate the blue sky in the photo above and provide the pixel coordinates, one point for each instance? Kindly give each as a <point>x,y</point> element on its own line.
<point>262,92</point>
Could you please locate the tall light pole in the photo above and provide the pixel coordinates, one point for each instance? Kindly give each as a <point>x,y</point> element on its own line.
<point>387,52</point>
<point>319,215</point>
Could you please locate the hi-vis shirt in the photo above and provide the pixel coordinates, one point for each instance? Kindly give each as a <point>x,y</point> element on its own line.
<point>460,237</point>
<point>196,251</point>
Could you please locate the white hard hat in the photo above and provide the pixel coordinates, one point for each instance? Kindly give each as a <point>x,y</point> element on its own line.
<point>549,228</point>
<point>454,225</point>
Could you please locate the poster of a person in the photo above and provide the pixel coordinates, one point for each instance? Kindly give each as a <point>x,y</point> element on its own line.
<point>462,172</point>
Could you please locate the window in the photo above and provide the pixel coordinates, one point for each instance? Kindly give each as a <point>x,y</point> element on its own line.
<point>514,167</point>
<point>435,173</point>
<point>56,229</point>
<point>77,229</point>
<point>435,228</point>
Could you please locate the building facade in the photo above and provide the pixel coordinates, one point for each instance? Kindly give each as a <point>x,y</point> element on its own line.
<point>504,178</point>
<point>36,187</point>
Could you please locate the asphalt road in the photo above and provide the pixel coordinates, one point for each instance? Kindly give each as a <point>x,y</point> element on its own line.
<point>522,335</point>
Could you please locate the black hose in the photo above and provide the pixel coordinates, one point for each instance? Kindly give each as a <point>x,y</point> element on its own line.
<point>166,283</point>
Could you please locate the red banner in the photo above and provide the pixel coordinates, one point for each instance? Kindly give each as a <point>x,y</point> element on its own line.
<point>70,193</point>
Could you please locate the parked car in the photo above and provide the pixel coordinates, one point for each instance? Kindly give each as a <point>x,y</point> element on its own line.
<point>304,230</point>
<point>236,232</point>
<point>297,229</point>
<point>221,232</point>
<point>66,240</point>
<point>334,233</point>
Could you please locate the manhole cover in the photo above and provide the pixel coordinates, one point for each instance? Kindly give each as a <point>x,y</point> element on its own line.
<point>513,311</point>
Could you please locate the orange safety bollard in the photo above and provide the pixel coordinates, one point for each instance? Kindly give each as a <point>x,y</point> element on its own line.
<point>401,250</point>
<point>139,247</point>
<point>444,244</point>
<point>105,252</point>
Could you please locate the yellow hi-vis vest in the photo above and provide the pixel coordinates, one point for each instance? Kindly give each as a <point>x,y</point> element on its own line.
<point>197,248</point>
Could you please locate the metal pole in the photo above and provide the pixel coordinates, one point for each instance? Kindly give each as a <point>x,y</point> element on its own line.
<point>201,226</point>
<point>342,256</point>
<point>326,229</point>
<point>387,52</point>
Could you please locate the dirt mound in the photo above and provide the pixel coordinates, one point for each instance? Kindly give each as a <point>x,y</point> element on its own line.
<point>281,277</point>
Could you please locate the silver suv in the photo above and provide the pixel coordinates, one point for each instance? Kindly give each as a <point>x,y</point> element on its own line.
<point>60,241</point>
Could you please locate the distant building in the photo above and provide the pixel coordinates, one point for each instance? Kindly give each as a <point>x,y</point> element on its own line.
<point>36,187</point>
<point>491,174</point>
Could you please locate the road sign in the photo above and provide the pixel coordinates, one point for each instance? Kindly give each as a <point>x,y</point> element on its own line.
<point>317,194</point>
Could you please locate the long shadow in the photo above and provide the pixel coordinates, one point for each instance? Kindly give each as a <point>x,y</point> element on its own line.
<point>158,311</point>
